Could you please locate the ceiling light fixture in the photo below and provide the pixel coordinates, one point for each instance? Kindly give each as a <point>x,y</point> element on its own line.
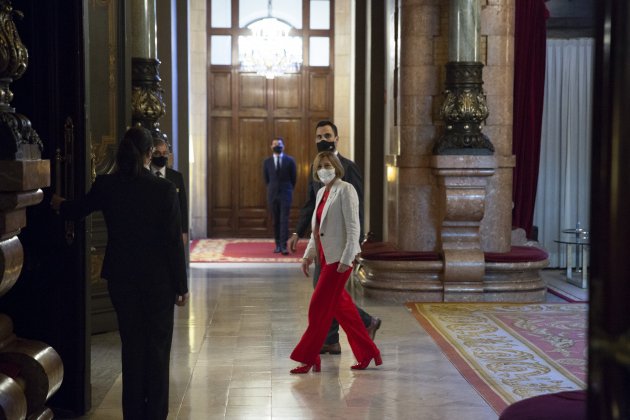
<point>270,51</point>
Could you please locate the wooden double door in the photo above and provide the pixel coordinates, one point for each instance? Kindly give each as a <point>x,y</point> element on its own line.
<point>246,111</point>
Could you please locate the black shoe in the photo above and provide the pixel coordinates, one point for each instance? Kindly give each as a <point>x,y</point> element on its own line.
<point>334,348</point>
<point>284,250</point>
<point>374,325</point>
<point>277,250</point>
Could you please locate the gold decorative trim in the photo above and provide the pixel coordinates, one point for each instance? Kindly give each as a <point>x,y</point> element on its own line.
<point>463,110</point>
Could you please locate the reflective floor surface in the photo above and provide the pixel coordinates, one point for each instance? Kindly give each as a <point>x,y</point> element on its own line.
<point>230,358</point>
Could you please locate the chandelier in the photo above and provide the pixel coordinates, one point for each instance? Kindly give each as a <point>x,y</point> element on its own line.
<point>270,51</point>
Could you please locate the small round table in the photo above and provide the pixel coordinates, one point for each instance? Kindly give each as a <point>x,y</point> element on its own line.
<point>578,238</point>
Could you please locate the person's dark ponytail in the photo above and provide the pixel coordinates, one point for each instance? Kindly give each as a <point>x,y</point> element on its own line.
<point>133,148</point>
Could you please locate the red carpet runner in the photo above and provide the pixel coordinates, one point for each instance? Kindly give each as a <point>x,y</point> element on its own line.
<point>241,250</point>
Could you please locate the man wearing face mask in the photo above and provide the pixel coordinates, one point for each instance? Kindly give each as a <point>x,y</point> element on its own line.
<point>326,138</point>
<point>159,168</point>
<point>280,175</point>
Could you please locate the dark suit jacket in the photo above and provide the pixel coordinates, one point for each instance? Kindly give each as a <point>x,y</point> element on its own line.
<point>352,175</point>
<point>178,179</point>
<point>280,183</point>
<point>144,235</point>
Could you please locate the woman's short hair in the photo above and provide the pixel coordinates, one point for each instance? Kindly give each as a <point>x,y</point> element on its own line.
<point>136,144</point>
<point>334,160</point>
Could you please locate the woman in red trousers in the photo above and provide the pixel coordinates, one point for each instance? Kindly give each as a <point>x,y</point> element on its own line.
<point>335,241</point>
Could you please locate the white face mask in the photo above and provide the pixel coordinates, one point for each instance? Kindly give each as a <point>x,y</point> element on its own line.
<point>326,175</point>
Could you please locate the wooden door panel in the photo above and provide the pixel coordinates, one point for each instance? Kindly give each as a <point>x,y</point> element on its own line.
<point>253,222</point>
<point>220,141</point>
<point>254,147</point>
<point>288,93</point>
<point>221,91</point>
<point>319,99</point>
<point>222,222</point>
<point>252,91</point>
<point>290,129</point>
<point>220,180</point>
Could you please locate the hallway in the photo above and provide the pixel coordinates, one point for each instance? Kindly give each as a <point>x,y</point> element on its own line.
<point>230,358</point>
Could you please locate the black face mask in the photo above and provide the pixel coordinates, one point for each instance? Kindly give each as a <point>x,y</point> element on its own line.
<point>159,161</point>
<point>326,146</point>
<point>277,149</point>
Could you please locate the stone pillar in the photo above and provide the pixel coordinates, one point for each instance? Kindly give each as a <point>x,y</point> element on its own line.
<point>421,56</point>
<point>463,182</point>
<point>464,31</point>
<point>497,32</point>
<point>146,92</point>
<point>464,107</point>
<point>464,165</point>
<point>425,50</point>
<point>456,202</point>
<point>143,27</point>
<point>461,170</point>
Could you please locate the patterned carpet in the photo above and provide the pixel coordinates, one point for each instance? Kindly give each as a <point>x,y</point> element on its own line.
<point>241,250</point>
<point>509,352</point>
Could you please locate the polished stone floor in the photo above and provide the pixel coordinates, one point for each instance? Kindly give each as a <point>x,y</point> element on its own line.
<point>230,358</point>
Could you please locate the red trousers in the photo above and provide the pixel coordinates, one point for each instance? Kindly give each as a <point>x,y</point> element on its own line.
<point>331,300</point>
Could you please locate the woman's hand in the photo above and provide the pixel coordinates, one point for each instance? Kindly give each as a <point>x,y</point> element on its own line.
<point>293,240</point>
<point>306,262</point>
<point>182,299</point>
<point>342,268</point>
<point>55,201</point>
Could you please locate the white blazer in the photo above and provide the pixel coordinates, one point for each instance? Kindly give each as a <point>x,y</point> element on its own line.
<point>339,228</point>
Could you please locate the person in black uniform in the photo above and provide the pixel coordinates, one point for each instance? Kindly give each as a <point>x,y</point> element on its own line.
<point>280,174</point>
<point>144,267</point>
<point>326,138</point>
<point>159,161</point>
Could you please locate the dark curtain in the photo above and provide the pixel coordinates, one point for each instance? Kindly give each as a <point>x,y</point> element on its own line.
<point>530,37</point>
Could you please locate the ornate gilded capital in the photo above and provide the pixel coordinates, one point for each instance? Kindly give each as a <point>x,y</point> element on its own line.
<point>147,104</point>
<point>464,109</point>
<point>13,54</point>
<point>18,138</point>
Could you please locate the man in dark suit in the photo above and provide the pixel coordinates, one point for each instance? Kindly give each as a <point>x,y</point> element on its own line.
<point>159,167</point>
<point>280,175</point>
<point>326,138</point>
<point>144,266</point>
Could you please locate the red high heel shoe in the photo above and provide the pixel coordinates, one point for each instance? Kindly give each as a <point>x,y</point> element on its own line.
<point>317,366</point>
<point>364,364</point>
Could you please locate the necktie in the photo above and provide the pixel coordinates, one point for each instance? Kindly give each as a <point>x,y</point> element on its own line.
<point>158,174</point>
<point>277,163</point>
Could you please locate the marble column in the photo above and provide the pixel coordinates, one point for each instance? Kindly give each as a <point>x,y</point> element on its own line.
<point>463,161</point>
<point>464,33</point>
<point>414,216</point>
<point>497,30</point>
<point>464,108</point>
<point>461,176</point>
<point>147,103</point>
<point>143,39</point>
